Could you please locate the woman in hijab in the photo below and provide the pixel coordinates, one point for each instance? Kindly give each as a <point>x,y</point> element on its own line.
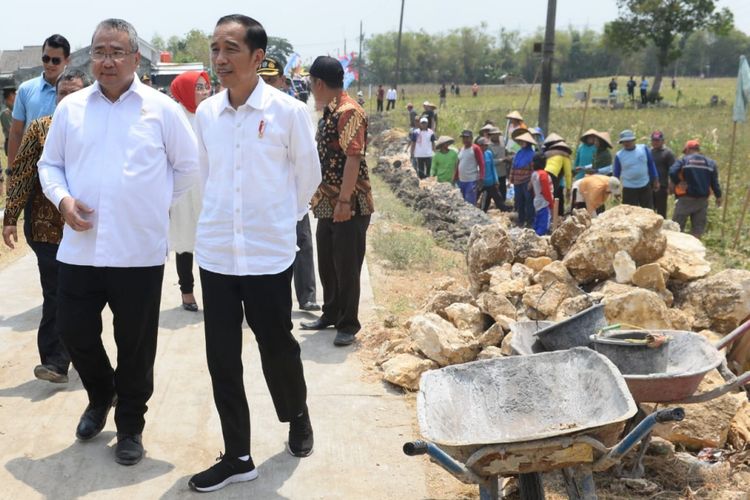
<point>189,89</point>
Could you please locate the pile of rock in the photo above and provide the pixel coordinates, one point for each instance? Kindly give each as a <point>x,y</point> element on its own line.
<point>445,212</point>
<point>645,275</point>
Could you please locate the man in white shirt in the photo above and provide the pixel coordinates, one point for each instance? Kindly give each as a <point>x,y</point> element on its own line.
<point>391,97</point>
<point>260,169</point>
<point>423,147</point>
<point>116,156</point>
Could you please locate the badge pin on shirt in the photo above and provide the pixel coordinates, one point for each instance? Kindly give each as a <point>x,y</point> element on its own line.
<point>261,129</point>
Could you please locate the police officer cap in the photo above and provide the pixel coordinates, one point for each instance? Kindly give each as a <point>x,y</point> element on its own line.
<point>329,70</point>
<point>269,67</point>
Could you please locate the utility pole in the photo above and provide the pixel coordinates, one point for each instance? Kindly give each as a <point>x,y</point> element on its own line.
<point>547,55</point>
<point>359,57</point>
<point>398,47</point>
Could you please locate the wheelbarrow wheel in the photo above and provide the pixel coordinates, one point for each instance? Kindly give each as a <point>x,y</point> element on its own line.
<point>530,486</point>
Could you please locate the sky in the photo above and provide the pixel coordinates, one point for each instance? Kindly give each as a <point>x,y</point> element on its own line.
<point>314,28</point>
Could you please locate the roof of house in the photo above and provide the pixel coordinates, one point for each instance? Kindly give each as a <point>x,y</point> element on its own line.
<point>27,57</point>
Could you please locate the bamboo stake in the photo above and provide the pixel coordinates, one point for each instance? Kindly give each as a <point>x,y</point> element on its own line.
<point>729,179</point>
<point>585,109</point>
<point>742,218</point>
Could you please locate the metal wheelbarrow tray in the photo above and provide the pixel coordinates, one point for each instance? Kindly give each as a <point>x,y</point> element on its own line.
<point>522,398</point>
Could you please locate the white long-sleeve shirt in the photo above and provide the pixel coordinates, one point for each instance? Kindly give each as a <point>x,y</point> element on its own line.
<point>260,167</point>
<point>127,160</point>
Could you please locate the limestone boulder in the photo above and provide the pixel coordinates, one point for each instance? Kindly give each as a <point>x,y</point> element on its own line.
<point>521,272</point>
<point>465,317</point>
<point>720,302</point>
<point>404,370</point>
<point>680,320</point>
<point>442,342</point>
<point>706,425</point>
<point>493,336</point>
<point>526,243</point>
<point>653,277</point>
<point>739,428</point>
<point>624,267</point>
<point>488,246</point>
<point>496,305</point>
<point>555,272</point>
<point>542,302</point>
<point>490,352</point>
<point>440,300</point>
<point>573,305</point>
<point>634,230</point>
<point>634,306</point>
<point>684,258</point>
<point>536,264</point>
<point>567,233</point>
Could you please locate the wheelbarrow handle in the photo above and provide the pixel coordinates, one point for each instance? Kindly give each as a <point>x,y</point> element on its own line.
<point>457,469</point>
<point>414,448</point>
<point>730,385</point>
<point>636,435</point>
<point>735,334</point>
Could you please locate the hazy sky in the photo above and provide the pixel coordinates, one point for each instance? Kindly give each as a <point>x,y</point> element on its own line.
<point>314,28</point>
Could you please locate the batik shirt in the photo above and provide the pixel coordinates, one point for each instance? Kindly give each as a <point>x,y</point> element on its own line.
<point>342,132</point>
<point>23,184</point>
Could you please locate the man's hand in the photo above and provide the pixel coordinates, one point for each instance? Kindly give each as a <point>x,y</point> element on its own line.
<point>718,202</point>
<point>342,212</point>
<point>73,212</point>
<point>10,236</point>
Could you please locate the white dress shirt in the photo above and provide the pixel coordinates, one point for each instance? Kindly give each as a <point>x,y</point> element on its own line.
<point>127,160</point>
<point>260,167</point>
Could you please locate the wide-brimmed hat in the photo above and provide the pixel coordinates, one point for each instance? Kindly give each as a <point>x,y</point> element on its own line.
<point>589,132</point>
<point>604,136</point>
<point>483,141</point>
<point>496,131</point>
<point>525,137</point>
<point>519,131</point>
<point>443,140</point>
<point>553,138</point>
<point>615,186</point>
<point>626,135</point>
<point>269,67</point>
<point>487,127</point>
<point>514,115</point>
<point>561,145</point>
<point>428,104</point>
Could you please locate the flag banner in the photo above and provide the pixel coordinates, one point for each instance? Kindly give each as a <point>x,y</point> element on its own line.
<point>743,91</point>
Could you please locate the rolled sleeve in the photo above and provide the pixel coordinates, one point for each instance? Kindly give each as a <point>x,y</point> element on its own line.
<point>352,132</point>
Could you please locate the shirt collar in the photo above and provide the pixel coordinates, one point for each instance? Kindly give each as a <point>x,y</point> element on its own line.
<point>336,101</point>
<point>136,87</point>
<point>256,99</point>
<point>45,83</point>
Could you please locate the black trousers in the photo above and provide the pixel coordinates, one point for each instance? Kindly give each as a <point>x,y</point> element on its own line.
<point>133,294</point>
<point>424,164</point>
<point>185,278</point>
<point>391,104</point>
<point>304,263</point>
<point>503,190</point>
<point>51,348</point>
<point>640,197</point>
<point>266,301</point>
<point>492,193</point>
<point>341,252</point>
<point>660,201</point>
<point>559,193</point>
<point>380,105</point>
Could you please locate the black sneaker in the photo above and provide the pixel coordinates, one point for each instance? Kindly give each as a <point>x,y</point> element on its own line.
<point>226,471</point>
<point>300,436</point>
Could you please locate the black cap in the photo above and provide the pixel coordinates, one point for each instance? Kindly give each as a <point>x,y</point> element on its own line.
<point>467,133</point>
<point>329,70</point>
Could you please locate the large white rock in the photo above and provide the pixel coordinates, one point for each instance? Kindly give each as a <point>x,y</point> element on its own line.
<point>684,258</point>
<point>634,230</point>
<point>404,370</point>
<point>442,342</point>
<point>624,267</point>
<point>635,306</point>
<point>488,246</point>
<point>465,317</point>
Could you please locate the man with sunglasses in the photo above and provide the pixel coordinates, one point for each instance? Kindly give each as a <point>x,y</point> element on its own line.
<point>37,97</point>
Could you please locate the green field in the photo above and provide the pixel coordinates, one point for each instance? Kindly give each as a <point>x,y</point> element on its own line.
<point>688,117</point>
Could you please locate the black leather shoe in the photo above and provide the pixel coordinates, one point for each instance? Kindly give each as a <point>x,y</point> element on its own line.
<point>93,420</point>
<point>310,306</point>
<point>316,324</point>
<point>343,339</point>
<point>301,440</point>
<point>129,449</point>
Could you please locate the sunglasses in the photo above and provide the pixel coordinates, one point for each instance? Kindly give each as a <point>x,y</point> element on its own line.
<point>54,60</point>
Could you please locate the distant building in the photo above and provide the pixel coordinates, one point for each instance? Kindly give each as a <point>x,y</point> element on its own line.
<point>17,66</point>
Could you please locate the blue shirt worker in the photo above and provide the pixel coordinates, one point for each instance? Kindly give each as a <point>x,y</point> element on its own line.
<point>490,186</point>
<point>635,168</point>
<point>695,177</point>
<point>37,97</point>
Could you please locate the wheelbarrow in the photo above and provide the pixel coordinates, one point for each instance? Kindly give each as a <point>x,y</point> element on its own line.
<point>525,415</point>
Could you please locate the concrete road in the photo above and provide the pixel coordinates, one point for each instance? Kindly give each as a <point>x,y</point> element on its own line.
<point>359,425</point>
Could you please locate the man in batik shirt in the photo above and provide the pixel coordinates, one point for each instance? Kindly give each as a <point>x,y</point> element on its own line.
<point>343,203</point>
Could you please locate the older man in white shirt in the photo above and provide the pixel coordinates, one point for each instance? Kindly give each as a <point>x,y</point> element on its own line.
<point>260,167</point>
<point>116,156</point>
